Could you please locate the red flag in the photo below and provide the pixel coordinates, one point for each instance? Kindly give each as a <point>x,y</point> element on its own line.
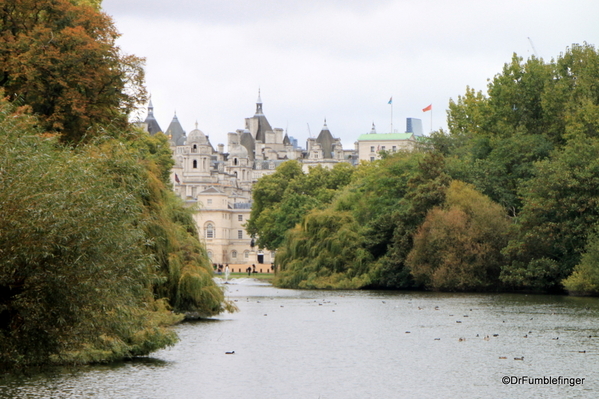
<point>429,108</point>
<point>177,178</point>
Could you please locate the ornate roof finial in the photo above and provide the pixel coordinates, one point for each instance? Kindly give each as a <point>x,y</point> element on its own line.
<point>259,104</point>
<point>373,130</point>
<point>196,124</point>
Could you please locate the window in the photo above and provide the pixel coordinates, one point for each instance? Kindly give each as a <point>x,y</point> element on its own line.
<point>209,201</point>
<point>240,218</point>
<point>371,148</point>
<point>240,234</point>
<point>210,255</point>
<point>394,148</point>
<point>234,161</point>
<point>209,230</point>
<point>382,148</point>
<point>371,159</point>
<point>195,164</point>
<point>246,254</point>
<point>234,254</point>
<point>195,148</point>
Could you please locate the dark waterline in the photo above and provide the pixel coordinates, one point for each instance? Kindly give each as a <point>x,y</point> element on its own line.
<point>355,344</point>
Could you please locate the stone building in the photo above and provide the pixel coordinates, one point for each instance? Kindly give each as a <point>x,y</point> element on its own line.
<point>370,145</point>
<point>220,183</point>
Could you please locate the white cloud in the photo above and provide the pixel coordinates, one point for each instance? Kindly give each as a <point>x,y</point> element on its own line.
<point>339,59</point>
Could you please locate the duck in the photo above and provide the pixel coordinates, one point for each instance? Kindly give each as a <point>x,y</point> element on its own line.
<point>503,357</point>
<point>230,353</point>
<point>519,358</point>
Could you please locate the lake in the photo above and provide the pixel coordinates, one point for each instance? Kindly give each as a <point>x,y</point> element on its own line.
<point>357,344</point>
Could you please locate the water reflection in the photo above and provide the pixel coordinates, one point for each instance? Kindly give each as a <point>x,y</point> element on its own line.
<point>355,344</point>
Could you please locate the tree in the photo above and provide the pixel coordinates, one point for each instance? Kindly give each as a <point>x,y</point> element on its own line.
<point>283,198</point>
<point>559,212</point>
<point>74,270</point>
<point>60,59</point>
<point>96,252</point>
<point>324,252</point>
<point>458,247</point>
<point>585,276</point>
<point>424,190</point>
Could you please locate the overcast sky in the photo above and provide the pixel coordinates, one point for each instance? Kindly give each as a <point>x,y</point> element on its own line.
<point>336,59</point>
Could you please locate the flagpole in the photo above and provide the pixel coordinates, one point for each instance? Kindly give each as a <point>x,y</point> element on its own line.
<point>431,121</point>
<point>391,102</point>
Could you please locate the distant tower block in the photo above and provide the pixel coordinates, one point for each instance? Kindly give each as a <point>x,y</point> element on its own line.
<point>414,125</point>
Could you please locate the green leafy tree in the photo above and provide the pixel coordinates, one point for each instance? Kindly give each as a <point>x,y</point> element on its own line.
<point>584,279</point>
<point>424,190</point>
<point>560,210</point>
<point>283,198</point>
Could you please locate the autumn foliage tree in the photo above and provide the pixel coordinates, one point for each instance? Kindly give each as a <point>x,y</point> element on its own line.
<point>458,247</point>
<point>59,58</point>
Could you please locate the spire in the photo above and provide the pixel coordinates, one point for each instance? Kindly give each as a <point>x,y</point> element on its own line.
<point>151,123</point>
<point>259,104</point>
<point>150,108</point>
<point>325,127</point>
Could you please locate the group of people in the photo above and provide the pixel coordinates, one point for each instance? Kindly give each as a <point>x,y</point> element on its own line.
<point>220,269</point>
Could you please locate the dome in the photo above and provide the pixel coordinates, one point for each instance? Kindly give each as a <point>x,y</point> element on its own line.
<point>196,136</point>
<point>237,151</point>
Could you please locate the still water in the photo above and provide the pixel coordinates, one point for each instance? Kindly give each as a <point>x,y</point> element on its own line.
<point>356,344</point>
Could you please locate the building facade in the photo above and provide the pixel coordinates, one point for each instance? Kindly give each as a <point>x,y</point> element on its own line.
<point>370,145</point>
<point>219,184</point>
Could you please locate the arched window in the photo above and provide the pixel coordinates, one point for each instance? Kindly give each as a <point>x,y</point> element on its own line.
<point>234,161</point>
<point>246,254</point>
<point>195,148</point>
<point>210,230</point>
<point>234,254</point>
<point>195,164</point>
<point>210,255</point>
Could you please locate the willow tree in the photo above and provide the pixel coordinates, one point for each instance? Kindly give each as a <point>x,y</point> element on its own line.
<point>324,252</point>
<point>75,274</point>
